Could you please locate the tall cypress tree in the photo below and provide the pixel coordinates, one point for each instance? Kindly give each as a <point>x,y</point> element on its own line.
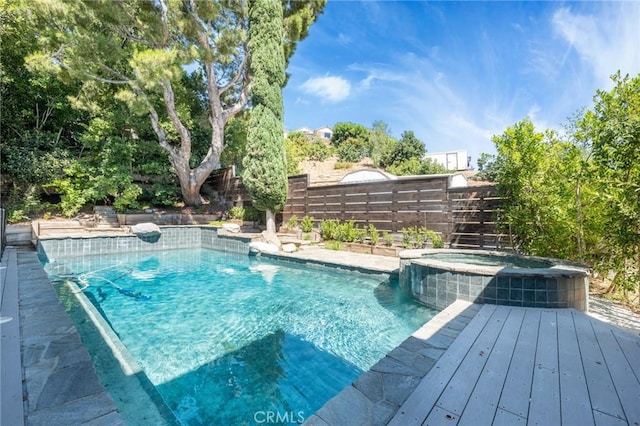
<point>265,165</point>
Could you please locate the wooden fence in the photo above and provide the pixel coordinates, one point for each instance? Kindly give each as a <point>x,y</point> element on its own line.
<point>465,217</point>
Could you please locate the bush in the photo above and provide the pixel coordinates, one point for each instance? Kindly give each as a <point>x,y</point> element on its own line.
<point>292,222</point>
<point>329,229</point>
<point>237,212</point>
<point>333,245</point>
<point>342,165</point>
<point>306,224</point>
<point>414,237</point>
<point>318,151</point>
<point>387,239</point>
<point>374,235</point>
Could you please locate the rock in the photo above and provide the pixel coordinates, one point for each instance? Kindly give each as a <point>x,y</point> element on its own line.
<point>262,247</point>
<point>289,248</point>
<point>146,228</point>
<point>231,227</point>
<point>271,239</point>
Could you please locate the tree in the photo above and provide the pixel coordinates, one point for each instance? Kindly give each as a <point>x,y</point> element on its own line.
<point>381,144</point>
<point>535,174</point>
<point>265,166</point>
<point>344,131</point>
<point>613,130</point>
<point>163,55</point>
<point>408,147</point>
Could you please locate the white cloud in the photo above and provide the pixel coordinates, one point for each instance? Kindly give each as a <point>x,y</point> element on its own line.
<point>607,40</point>
<point>329,88</point>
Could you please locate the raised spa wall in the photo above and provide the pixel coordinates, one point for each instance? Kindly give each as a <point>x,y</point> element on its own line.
<point>439,284</point>
<point>170,238</point>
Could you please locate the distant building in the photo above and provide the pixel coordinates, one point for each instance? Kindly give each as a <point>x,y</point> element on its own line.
<point>451,160</point>
<point>325,132</point>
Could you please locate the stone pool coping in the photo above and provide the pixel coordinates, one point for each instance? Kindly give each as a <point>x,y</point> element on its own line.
<point>376,395</point>
<point>557,268</point>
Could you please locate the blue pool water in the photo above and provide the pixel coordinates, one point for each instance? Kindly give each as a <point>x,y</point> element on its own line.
<point>225,337</point>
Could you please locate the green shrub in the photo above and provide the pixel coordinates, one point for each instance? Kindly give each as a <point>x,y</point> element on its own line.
<point>329,229</point>
<point>342,165</point>
<point>237,212</point>
<point>348,232</point>
<point>318,151</point>
<point>414,237</point>
<point>292,222</point>
<point>387,239</point>
<point>306,224</point>
<point>251,214</point>
<point>374,235</point>
<point>333,245</point>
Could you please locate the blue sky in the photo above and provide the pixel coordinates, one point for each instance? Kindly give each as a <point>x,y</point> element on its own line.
<point>457,73</point>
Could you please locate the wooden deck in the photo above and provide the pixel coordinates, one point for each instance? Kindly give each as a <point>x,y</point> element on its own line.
<point>515,365</point>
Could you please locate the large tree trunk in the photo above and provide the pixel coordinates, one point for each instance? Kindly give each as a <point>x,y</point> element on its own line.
<point>271,222</point>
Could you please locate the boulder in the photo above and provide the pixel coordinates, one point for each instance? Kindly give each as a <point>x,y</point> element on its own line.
<point>271,239</point>
<point>146,228</point>
<point>231,227</point>
<point>262,247</point>
<point>289,248</point>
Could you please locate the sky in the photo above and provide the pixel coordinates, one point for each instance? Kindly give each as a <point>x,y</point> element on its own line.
<point>457,73</point>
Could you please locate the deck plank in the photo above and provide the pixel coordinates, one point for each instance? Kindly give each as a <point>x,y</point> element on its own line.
<point>483,402</point>
<point>417,406</point>
<point>544,408</point>
<point>459,389</point>
<point>624,379</point>
<point>630,345</point>
<point>574,395</point>
<point>520,373</point>
<point>602,392</point>
<point>505,418</point>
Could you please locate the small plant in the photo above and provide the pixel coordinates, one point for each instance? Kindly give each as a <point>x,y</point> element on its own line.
<point>46,215</point>
<point>306,224</point>
<point>374,235</point>
<point>342,165</point>
<point>387,239</point>
<point>237,212</point>
<point>414,237</point>
<point>329,229</point>
<point>333,245</point>
<point>292,222</point>
<point>216,223</point>
<point>306,237</point>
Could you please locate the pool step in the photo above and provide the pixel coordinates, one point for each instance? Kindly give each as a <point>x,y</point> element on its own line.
<point>106,217</point>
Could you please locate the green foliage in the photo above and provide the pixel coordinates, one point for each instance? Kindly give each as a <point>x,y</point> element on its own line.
<point>329,229</point>
<point>24,202</point>
<point>333,245</point>
<point>292,222</point>
<point>347,232</point>
<point>235,142</point>
<point>387,239</point>
<point>306,224</point>
<point>339,165</point>
<point>613,130</point>
<point>486,167</point>
<point>296,151</point>
<point>380,143</point>
<point>345,131</point>
<point>351,150</point>
<point>414,237</point>
<point>318,151</point>
<point>374,235</point>
<point>237,212</point>
<point>536,176</point>
<point>407,148</point>
<point>265,174</point>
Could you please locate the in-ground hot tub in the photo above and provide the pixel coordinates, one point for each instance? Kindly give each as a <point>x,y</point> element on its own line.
<point>437,278</point>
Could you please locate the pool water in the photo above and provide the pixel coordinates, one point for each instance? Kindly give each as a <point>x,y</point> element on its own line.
<point>227,339</point>
<point>505,261</point>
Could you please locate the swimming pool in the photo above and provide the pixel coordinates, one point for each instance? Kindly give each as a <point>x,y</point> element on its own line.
<point>227,338</point>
